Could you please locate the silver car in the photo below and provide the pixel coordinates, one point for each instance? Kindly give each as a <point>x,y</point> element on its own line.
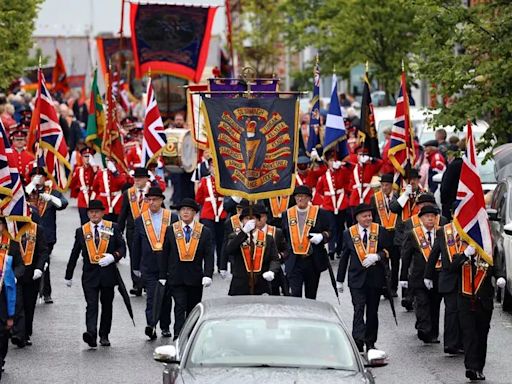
<point>265,339</point>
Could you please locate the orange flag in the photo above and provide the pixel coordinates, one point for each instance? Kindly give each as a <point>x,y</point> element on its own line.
<point>59,77</point>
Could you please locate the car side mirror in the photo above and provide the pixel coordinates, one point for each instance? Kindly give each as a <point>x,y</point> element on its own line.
<point>166,354</point>
<point>376,358</point>
<point>508,229</point>
<point>493,214</point>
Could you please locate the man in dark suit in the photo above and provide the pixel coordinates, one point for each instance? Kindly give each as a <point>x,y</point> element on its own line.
<point>448,187</point>
<point>102,245</point>
<point>186,263</point>
<point>254,257</point>
<point>306,229</point>
<point>148,239</point>
<point>415,254</point>
<point>365,255</point>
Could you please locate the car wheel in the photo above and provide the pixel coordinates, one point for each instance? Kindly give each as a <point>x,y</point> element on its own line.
<point>507,300</point>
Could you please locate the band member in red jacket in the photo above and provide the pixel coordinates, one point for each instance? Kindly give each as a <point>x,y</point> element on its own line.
<point>365,168</point>
<point>20,157</point>
<point>81,182</point>
<point>107,187</point>
<point>436,161</point>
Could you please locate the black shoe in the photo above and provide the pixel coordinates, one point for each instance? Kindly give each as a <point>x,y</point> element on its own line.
<point>150,332</point>
<point>20,343</point>
<point>370,346</point>
<point>90,340</point>
<point>480,375</point>
<point>48,300</point>
<point>136,292</point>
<point>28,341</point>
<point>431,341</point>
<point>104,342</point>
<point>166,333</point>
<point>407,305</point>
<point>331,255</point>
<point>394,293</point>
<point>471,375</point>
<point>454,351</point>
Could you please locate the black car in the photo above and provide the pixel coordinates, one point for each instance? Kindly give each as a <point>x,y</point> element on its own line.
<point>264,339</point>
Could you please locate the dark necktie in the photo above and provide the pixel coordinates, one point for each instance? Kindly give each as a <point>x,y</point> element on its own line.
<point>387,204</point>
<point>429,238</point>
<point>141,196</point>
<point>365,237</point>
<point>187,233</point>
<point>96,235</point>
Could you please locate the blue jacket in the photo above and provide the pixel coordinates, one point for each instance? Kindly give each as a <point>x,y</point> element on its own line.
<point>9,287</point>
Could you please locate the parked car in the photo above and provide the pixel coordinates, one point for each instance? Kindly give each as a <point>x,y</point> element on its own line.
<point>265,339</point>
<point>500,215</point>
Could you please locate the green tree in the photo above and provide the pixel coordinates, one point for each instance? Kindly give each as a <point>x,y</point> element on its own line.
<point>351,32</point>
<point>16,27</point>
<point>467,54</point>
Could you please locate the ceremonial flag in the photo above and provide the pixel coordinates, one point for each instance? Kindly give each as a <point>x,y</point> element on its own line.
<point>5,175</point>
<point>171,39</point>
<point>154,139</point>
<point>47,134</point>
<point>59,77</point>
<point>401,151</point>
<point>314,119</point>
<point>254,145</point>
<point>367,128</point>
<point>120,92</point>
<point>110,48</point>
<point>96,121</point>
<point>470,217</point>
<point>335,125</point>
<point>194,114</point>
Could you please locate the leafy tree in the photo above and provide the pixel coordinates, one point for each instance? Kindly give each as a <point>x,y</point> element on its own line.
<point>16,27</point>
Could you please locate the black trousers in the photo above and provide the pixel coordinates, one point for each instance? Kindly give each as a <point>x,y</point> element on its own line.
<point>186,297</point>
<point>280,285</point>
<point>83,215</point>
<point>452,333</point>
<point>46,283</point>
<point>4,345</point>
<point>150,282</point>
<point>304,273</point>
<point>217,230</point>
<point>337,225</point>
<point>475,323</point>
<point>394,262</point>
<point>366,302</point>
<point>94,296</point>
<point>427,306</point>
<point>18,328</point>
<point>136,281</point>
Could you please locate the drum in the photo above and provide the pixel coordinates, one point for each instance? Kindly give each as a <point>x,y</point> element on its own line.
<point>180,153</point>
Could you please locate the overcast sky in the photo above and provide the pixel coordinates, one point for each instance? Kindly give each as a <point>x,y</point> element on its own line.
<point>74,17</point>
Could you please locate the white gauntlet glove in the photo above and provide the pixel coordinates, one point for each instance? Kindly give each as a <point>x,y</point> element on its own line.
<point>106,260</point>
<point>269,275</point>
<point>249,226</point>
<point>316,238</point>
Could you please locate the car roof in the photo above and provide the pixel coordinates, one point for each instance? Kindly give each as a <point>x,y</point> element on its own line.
<point>269,306</point>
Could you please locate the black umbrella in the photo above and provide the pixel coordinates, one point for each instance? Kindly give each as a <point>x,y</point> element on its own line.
<point>333,281</point>
<point>390,294</point>
<point>158,300</point>
<point>124,294</point>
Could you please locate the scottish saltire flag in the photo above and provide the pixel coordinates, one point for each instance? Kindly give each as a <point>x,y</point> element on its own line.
<point>401,150</point>
<point>335,123</point>
<point>470,217</point>
<point>154,139</point>
<point>314,118</point>
<point>49,137</point>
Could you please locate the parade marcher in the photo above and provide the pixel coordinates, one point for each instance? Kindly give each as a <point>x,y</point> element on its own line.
<point>254,257</point>
<point>365,255</point>
<point>47,200</point>
<point>437,163</point>
<point>307,230</point>
<point>132,206</point>
<point>81,182</point>
<point>475,305</point>
<point>186,263</point>
<point>448,187</point>
<point>381,202</point>
<point>107,186</point>
<point>415,255</point>
<point>233,224</point>
<point>23,159</point>
<point>332,194</point>
<point>446,245</point>
<point>102,245</point>
<point>147,245</point>
<point>212,211</point>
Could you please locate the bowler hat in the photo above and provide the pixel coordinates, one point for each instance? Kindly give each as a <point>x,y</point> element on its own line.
<point>260,209</point>
<point>428,209</point>
<point>414,174</point>
<point>362,208</point>
<point>38,171</point>
<point>426,197</point>
<point>387,178</point>
<point>189,203</point>
<point>249,211</point>
<point>431,143</point>
<point>95,204</point>
<point>140,172</point>
<point>243,203</point>
<point>302,190</point>
<point>155,192</point>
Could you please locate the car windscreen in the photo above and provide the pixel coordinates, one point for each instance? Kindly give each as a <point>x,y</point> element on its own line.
<point>272,342</point>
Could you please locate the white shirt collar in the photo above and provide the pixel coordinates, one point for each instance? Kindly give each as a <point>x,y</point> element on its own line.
<point>265,228</point>
<point>191,225</point>
<point>361,230</point>
<point>432,232</point>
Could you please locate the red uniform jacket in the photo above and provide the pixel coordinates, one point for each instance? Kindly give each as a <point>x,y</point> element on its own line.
<point>204,197</point>
<point>361,178</point>
<point>115,183</point>
<point>134,156</point>
<point>81,184</point>
<point>24,161</point>
<point>340,183</point>
<point>437,162</point>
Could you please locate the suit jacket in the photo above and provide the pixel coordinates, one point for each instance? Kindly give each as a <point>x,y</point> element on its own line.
<point>241,278</point>
<point>447,279</point>
<point>40,255</point>
<point>49,218</point>
<point>359,276</point>
<point>319,255</point>
<point>189,273</point>
<point>93,274</point>
<point>413,262</point>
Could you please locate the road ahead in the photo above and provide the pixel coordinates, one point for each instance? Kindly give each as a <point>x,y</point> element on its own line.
<point>60,356</point>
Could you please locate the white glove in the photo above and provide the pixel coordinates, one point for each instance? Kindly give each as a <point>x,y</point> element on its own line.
<point>223,273</point>
<point>370,259</point>
<point>151,176</point>
<point>408,190</point>
<point>37,274</point>
<point>336,164</point>
<point>30,187</point>
<point>314,155</point>
<point>69,283</point>
<point>428,283</point>
<point>137,273</point>
<point>340,287</point>
<point>36,179</point>
<point>236,199</point>
<point>207,281</point>
<point>501,282</point>
<point>249,226</point>
<point>469,251</point>
<point>107,259</point>
<point>45,196</point>
<point>403,284</point>
<point>84,189</point>
<point>162,281</point>
<point>365,159</point>
<point>111,166</point>
<point>45,266</point>
<point>316,238</point>
<point>56,201</point>
<point>269,275</point>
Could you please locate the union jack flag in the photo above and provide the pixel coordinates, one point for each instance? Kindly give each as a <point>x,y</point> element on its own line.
<point>401,151</point>
<point>5,175</point>
<point>46,138</point>
<point>154,139</point>
<point>470,217</point>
